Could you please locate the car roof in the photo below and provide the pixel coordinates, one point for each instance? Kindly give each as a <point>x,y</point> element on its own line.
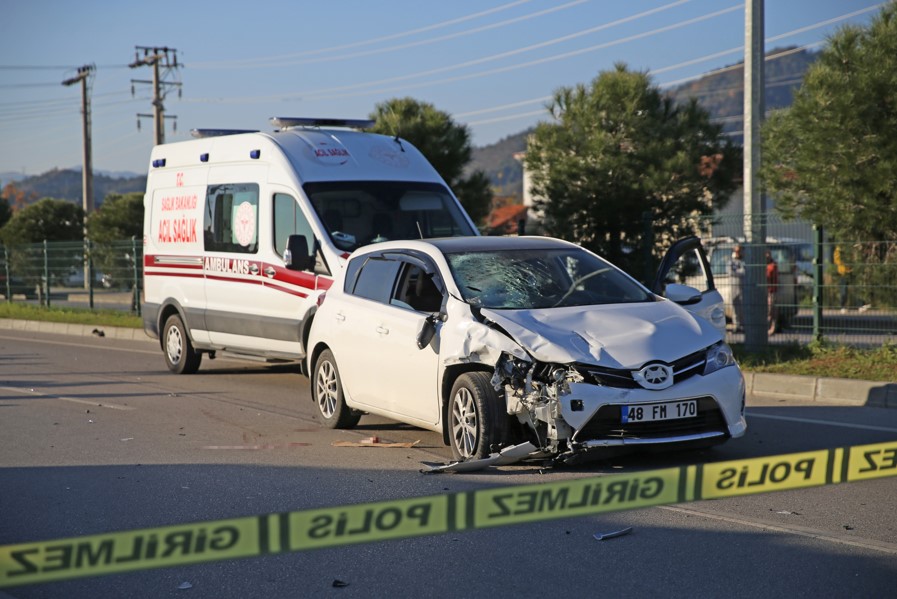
<point>450,245</point>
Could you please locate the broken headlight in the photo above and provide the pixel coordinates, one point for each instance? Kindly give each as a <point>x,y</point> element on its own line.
<point>718,356</point>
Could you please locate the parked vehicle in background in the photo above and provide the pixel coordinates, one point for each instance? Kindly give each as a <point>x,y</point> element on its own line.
<point>793,283</point>
<point>17,286</point>
<point>533,342</point>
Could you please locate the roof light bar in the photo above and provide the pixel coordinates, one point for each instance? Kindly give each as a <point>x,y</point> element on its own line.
<point>203,133</point>
<point>285,122</point>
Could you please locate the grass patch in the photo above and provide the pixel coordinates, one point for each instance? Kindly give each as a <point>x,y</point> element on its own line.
<point>109,318</point>
<point>822,359</point>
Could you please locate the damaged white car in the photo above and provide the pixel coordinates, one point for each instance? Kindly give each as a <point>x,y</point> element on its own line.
<point>496,342</point>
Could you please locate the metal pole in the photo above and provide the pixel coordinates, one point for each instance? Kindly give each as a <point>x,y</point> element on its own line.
<point>818,257</point>
<point>46,275</point>
<point>89,262</point>
<point>6,267</point>
<point>755,306</point>
<point>136,286</point>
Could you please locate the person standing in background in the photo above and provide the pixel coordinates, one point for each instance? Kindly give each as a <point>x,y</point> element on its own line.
<point>772,286</point>
<point>736,274</point>
<point>843,277</point>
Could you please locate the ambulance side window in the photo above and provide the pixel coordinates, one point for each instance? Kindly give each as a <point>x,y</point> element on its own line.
<point>289,220</point>
<point>230,223</point>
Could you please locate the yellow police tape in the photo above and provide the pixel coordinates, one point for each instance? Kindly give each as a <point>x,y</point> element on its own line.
<point>94,555</point>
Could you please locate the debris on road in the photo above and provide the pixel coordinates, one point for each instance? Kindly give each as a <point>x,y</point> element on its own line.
<point>612,535</point>
<point>508,455</point>
<point>373,442</point>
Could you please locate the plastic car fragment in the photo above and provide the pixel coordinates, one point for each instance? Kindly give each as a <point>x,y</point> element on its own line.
<point>612,535</point>
<point>508,455</point>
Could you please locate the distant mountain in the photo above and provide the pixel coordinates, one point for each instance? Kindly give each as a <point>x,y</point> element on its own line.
<point>65,184</point>
<point>720,93</point>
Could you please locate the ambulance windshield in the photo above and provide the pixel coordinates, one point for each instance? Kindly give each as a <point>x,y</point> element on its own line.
<point>357,213</point>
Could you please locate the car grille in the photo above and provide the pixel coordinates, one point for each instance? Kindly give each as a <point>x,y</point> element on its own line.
<point>683,368</point>
<point>606,424</point>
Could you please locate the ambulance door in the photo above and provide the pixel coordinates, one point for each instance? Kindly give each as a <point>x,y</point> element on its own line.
<point>237,314</point>
<point>291,294</point>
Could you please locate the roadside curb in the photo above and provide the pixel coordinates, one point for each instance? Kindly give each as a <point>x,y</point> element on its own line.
<point>79,330</point>
<point>822,390</point>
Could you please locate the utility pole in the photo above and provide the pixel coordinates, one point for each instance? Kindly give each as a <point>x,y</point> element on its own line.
<point>159,59</point>
<point>755,300</point>
<point>85,77</point>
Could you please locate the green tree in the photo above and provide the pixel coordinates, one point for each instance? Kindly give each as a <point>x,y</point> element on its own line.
<point>110,229</point>
<point>48,219</point>
<point>445,144</point>
<point>119,217</point>
<point>5,211</point>
<point>624,171</point>
<point>832,156</point>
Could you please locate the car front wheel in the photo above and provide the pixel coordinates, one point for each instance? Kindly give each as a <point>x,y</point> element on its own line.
<point>180,356</point>
<point>476,419</point>
<point>327,390</point>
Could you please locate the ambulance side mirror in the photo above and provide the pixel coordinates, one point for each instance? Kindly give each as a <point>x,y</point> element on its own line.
<point>296,256</point>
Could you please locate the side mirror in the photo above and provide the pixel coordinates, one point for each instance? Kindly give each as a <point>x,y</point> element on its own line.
<point>296,255</point>
<point>682,294</point>
<point>426,331</point>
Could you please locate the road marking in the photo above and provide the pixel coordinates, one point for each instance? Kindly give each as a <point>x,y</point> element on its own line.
<point>86,402</point>
<point>865,427</point>
<point>812,533</point>
<point>69,344</point>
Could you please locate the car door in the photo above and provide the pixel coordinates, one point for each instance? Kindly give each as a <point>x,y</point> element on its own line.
<point>380,363</point>
<point>685,263</point>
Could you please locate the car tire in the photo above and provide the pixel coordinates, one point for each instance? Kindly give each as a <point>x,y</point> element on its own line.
<point>180,356</point>
<point>327,393</point>
<point>477,422</point>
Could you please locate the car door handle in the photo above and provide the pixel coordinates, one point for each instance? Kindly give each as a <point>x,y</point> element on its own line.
<point>383,330</point>
<point>340,316</point>
<point>270,272</point>
<point>253,268</point>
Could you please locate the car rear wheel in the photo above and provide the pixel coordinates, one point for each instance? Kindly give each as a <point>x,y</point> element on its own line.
<point>180,356</point>
<point>476,420</point>
<point>327,391</point>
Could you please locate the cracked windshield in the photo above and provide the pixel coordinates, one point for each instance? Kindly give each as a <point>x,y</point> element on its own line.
<point>532,279</point>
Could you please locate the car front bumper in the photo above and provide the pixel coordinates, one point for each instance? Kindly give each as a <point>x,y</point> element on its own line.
<point>595,412</point>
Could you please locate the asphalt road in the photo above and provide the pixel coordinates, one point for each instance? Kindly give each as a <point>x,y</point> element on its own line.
<point>96,436</point>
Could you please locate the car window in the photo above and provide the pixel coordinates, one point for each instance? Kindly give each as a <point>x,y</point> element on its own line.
<point>688,270</point>
<point>231,218</point>
<point>528,279</point>
<point>376,279</point>
<point>416,290</point>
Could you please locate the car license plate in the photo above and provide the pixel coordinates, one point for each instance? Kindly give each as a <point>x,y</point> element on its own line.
<point>660,411</point>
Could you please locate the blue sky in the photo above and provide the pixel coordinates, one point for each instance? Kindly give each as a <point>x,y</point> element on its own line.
<point>491,64</point>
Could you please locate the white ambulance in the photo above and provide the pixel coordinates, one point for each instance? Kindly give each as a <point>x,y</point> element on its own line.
<point>243,230</point>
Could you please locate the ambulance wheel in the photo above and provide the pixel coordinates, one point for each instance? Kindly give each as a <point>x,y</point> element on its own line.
<point>180,356</point>
<point>476,419</point>
<point>327,390</point>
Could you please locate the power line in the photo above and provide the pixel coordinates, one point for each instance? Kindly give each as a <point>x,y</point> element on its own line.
<point>249,61</point>
<point>327,93</point>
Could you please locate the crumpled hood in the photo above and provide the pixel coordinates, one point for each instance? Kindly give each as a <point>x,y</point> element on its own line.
<point>615,336</point>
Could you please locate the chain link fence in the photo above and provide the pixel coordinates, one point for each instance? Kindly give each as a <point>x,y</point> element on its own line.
<point>74,274</point>
<point>844,291</point>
